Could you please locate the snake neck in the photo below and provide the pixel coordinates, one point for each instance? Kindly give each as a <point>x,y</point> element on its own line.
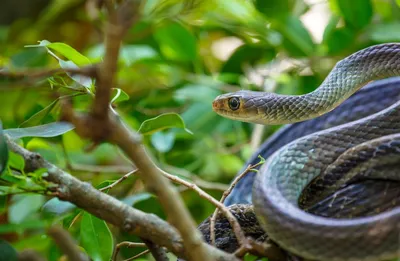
<point>348,76</point>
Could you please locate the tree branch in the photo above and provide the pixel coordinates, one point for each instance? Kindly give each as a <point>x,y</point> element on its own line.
<point>110,209</point>
<point>119,22</point>
<point>66,244</point>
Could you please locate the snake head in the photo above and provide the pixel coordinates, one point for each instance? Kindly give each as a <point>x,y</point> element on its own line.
<point>247,106</point>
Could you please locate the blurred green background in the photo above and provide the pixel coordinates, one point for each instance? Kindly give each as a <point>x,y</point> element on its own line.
<point>176,59</point>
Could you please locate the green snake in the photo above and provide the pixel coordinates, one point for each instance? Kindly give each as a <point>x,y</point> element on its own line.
<point>368,147</point>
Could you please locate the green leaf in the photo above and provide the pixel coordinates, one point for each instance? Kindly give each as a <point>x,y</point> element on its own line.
<point>398,2</point>
<point>247,55</point>
<point>7,252</point>
<point>23,206</point>
<point>31,224</point>
<point>297,39</point>
<point>385,32</point>
<point>39,116</point>
<point>16,161</point>
<point>75,58</point>
<point>81,79</point>
<point>3,204</point>
<point>162,122</point>
<point>163,141</point>
<point>356,13</point>
<point>133,53</point>
<point>45,131</point>
<point>119,95</point>
<point>57,207</point>
<point>96,238</point>
<point>176,42</point>
<point>66,51</point>
<point>136,198</point>
<point>273,8</point>
<point>3,150</point>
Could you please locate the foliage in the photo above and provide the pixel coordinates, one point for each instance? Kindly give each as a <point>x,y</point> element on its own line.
<point>171,67</point>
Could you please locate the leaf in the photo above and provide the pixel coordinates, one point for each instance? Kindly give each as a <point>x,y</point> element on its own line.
<point>3,150</point>
<point>119,96</point>
<point>385,32</point>
<point>81,79</point>
<point>176,42</point>
<point>247,54</point>
<point>7,252</point>
<point>398,2</point>
<point>66,51</point>
<point>162,122</point>
<point>356,13</point>
<point>297,39</point>
<point>16,161</point>
<point>163,141</point>
<point>45,131</point>
<point>273,8</point>
<point>133,53</point>
<point>39,116</point>
<point>57,207</point>
<point>23,207</point>
<point>75,58</point>
<point>96,238</point>
<point>135,198</point>
<point>32,224</point>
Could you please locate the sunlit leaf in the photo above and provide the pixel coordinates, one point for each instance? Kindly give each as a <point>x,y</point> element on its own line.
<point>162,122</point>
<point>16,161</point>
<point>119,96</point>
<point>66,51</point>
<point>96,238</point>
<point>3,150</point>
<point>7,252</point>
<point>45,131</point>
<point>75,59</point>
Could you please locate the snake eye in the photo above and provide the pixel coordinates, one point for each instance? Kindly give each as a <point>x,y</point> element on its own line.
<point>234,103</point>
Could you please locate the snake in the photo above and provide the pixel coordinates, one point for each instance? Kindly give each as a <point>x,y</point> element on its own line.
<point>366,148</point>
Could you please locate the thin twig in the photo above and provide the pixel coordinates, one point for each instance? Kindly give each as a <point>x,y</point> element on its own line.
<point>66,244</point>
<point>125,244</point>
<point>138,255</point>
<point>229,216</point>
<point>196,180</point>
<point>124,177</point>
<point>224,195</point>
<point>100,169</point>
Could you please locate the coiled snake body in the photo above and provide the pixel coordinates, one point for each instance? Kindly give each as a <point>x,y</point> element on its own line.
<point>368,148</point>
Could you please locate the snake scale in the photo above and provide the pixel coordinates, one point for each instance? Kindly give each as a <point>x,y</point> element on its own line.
<point>364,149</point>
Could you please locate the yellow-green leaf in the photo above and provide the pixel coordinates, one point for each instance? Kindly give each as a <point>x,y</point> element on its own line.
<point>162,122</point>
